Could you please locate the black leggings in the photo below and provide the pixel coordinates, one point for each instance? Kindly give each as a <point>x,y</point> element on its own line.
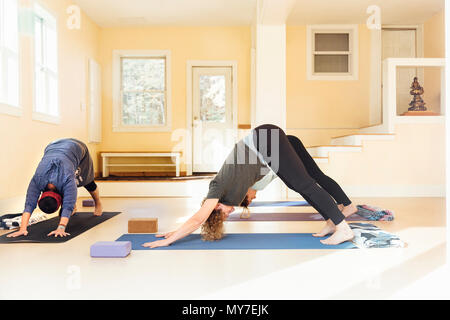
<point>314,171</point>
<point>91,187</point>
<point>283,159</point>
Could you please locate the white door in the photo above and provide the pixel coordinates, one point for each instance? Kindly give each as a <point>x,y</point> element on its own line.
<point>213,132</point>
<point>401,43</point>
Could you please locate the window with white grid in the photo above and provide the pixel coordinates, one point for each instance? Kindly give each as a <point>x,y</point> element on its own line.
<point>46,88</point>
<point>142,100</point>
<point>9,57</point>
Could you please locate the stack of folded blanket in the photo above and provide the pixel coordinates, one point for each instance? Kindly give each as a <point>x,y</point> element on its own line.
<point>12,221</point>
<point>369,236</point>
<point>374,213</point>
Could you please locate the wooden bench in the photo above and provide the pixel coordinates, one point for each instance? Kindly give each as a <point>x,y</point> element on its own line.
<point>106,156</point>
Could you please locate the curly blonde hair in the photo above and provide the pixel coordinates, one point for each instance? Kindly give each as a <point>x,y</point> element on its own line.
<point>213,228</point>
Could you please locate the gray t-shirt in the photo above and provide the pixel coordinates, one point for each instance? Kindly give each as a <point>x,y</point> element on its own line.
<point>241,170</point>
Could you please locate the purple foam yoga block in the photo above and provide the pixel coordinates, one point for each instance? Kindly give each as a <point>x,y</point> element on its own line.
<point>88,203</point>
<point>111,249</point>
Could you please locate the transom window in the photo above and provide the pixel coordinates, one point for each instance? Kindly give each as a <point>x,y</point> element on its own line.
<point>332,52</point>
<point>9,57</point>
<point>143,99</point>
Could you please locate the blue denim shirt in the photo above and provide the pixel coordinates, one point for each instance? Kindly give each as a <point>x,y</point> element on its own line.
<point>58,165</point>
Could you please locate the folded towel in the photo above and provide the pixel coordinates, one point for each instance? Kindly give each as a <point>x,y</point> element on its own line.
<point>9,222</point>
<point>375,213</point>
<point>370,236</point>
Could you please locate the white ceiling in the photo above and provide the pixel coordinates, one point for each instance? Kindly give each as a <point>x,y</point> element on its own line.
<point>119,13</point>
<point>354,11</point>
<point>116,13</point>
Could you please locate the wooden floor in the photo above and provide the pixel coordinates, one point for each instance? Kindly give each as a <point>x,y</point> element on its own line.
<point>63,271</point>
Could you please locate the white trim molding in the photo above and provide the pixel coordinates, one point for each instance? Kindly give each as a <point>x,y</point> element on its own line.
<point>117,122</point>
<point>190,64</point>
<point>352,30</point>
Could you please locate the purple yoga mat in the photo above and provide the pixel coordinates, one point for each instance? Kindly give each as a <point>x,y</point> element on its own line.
<point>286,216</point>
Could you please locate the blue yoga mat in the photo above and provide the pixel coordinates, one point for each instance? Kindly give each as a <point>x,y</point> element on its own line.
<point>279,204</point>
<point>238,241</point>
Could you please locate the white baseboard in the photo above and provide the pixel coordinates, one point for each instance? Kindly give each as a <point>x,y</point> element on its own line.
<point>417,191</point>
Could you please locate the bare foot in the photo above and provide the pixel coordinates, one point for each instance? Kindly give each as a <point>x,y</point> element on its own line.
<point>343,233</point>
<point>349,210</point>
<point>328,229</point>
<point>98,211</point>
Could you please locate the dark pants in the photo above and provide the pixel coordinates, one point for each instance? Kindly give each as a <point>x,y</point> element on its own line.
<point>283,159</point>
<point>91,187</point>
<point>314,171</point>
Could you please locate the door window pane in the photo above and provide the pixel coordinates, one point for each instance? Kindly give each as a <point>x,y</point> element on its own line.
<point>213,98</point>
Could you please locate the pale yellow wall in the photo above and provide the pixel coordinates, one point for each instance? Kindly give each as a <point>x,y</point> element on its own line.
<point>434,47</point>
<point>185,43</point>
<point>23,139</point>
<point>319,110</point>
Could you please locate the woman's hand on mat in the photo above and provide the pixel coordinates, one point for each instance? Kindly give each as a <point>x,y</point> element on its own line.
<point>156,244</point>
<point>165,235</point>
<point>58,233</point>
<point>18,234</point>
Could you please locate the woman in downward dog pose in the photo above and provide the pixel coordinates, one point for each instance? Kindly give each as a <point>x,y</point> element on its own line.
<point>250,167</point>
<point>65,167</point>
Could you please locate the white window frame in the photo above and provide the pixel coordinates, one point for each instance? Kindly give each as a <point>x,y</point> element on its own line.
<point>118,125</point>
<point>352,30</point>
<point>6,108</point>
<point>47,15</point>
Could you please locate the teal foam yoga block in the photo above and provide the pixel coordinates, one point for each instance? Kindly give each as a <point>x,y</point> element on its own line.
<point>111,249</point>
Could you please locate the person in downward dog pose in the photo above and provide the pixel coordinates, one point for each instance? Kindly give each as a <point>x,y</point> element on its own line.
<point>65,166</point>
<point>254,162</point>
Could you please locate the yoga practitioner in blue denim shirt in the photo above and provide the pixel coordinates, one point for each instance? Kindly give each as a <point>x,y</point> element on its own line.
<point>65,166</point>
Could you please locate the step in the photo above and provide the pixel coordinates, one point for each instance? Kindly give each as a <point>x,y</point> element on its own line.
<point>357,139</point>
<point>324,151</point>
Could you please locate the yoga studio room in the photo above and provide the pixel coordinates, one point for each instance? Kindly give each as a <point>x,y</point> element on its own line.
<point>224,150</point>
